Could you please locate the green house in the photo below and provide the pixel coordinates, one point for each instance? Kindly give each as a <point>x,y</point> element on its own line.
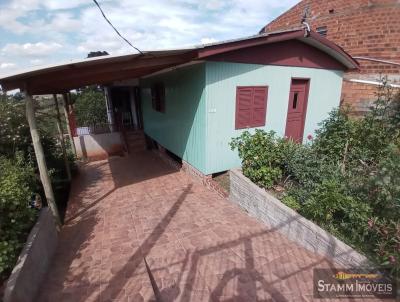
<point>192,102</point>
<point>284,82</point>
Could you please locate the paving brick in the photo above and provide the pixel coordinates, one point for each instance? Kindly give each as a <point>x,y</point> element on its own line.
<point>198,246</point>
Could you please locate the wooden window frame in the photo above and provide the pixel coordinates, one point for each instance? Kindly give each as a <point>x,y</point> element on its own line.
<point>158,97</point>
<point>252,123</point>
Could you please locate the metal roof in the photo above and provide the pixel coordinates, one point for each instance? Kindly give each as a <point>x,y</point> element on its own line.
<point>65,76</point>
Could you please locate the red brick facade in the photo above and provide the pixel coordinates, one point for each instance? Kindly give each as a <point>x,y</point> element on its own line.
<point>364,28</point>
<point>358,95</point>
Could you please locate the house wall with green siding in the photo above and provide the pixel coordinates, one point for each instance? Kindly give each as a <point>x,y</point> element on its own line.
<point>221,81</point>
<point>182,128</point>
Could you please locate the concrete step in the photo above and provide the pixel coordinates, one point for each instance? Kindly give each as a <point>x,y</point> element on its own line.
<point>133,145</point>
<point>135,139</point>
<point>137,149</point>
<point>134,134</point>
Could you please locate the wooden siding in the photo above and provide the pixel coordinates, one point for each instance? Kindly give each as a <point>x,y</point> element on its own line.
<point>182,127</point>
<point>286,53</point>
<point>221,82</point>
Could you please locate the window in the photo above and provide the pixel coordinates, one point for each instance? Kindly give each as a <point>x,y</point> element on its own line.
<point>296,95</point>
<point>158,97</point>
<point>323,30</point>
<point>251,106</point>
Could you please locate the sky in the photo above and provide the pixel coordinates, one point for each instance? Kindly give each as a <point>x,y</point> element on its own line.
<point>42,32</point>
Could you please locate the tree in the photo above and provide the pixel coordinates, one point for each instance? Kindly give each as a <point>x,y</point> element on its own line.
<point>93,54</point>
<point>90,107</point>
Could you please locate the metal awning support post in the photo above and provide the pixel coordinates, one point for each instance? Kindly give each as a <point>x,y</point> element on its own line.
<point>37,146</point>
<point>66,110</point>
<point>62,141</point>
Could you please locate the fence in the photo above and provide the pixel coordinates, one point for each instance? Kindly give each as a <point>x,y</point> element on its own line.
<point>96,129</point>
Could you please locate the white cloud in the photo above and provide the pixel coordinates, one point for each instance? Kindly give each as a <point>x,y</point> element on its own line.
<point>31,49</point>
<point>36,62</point>
<point>6,65</point>
<point>69,29</point>
<point>64,22</point>
<point>208,40</point>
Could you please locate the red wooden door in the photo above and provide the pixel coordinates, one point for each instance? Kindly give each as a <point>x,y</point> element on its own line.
<point>297,109</point>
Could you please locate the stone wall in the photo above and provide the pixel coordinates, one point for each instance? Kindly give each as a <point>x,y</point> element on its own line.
<point>268,209</point>
<point>34,260</point>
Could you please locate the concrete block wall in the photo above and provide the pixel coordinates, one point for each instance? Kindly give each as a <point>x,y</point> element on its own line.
<point>34,260</point>
<point>268,209</point>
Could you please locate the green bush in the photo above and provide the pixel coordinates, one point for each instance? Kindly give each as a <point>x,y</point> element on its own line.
<point>17,185</point>
<point>261,156</point>
<point>346,180</point>
<point>19,175</point>
<point>14,129</point>
<point>334,209</point>
<point>90,107</point>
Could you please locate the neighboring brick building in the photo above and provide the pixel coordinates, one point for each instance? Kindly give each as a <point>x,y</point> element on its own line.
<point>367,29</point>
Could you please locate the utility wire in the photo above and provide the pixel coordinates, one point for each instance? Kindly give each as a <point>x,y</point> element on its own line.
<point>109,22</point>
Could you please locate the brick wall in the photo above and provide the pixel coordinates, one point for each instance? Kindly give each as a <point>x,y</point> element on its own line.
<point>368,28</point>
<point>359,96</point>
<point>363,28</point>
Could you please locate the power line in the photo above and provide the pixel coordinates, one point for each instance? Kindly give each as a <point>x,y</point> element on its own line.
<point>109,22</point>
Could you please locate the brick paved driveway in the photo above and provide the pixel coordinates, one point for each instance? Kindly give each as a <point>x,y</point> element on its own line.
<point>198,246</point>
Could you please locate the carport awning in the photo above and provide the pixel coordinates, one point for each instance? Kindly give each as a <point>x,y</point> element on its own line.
<point>106,69</point>
<point>100,70</point>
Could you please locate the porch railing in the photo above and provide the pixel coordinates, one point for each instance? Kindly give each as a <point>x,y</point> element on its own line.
<point>97,129</point>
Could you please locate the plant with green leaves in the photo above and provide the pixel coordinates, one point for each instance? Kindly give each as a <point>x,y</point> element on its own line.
<point>14,129</point>
<point>90,107</point>
<point>347,180</point>
<point>261,158</point>
<point>17,185</point>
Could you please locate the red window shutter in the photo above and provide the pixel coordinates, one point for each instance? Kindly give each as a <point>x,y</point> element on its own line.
<point>251,106</point>
<point>244,97</point>
<point>259,106</point>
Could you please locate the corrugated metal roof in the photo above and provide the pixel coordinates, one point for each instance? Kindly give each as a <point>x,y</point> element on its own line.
<point>61,77</point>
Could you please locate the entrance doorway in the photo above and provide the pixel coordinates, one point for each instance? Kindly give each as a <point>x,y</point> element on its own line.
<point>126,107</point>
<point>297,109</point>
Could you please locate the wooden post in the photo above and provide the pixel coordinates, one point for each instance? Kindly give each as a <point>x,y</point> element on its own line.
<point>37,146</point>
<point>66,110</point>
<point>60,132</point>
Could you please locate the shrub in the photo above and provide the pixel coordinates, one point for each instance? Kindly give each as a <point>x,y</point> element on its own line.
<point>261,156</point>
<point>291,202</point>
<point>347,180</point>
<point>90,107</point>
<point>331,207</point>
<point>14,129</point>
<point>17,185</point>
<point>386,234</point>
